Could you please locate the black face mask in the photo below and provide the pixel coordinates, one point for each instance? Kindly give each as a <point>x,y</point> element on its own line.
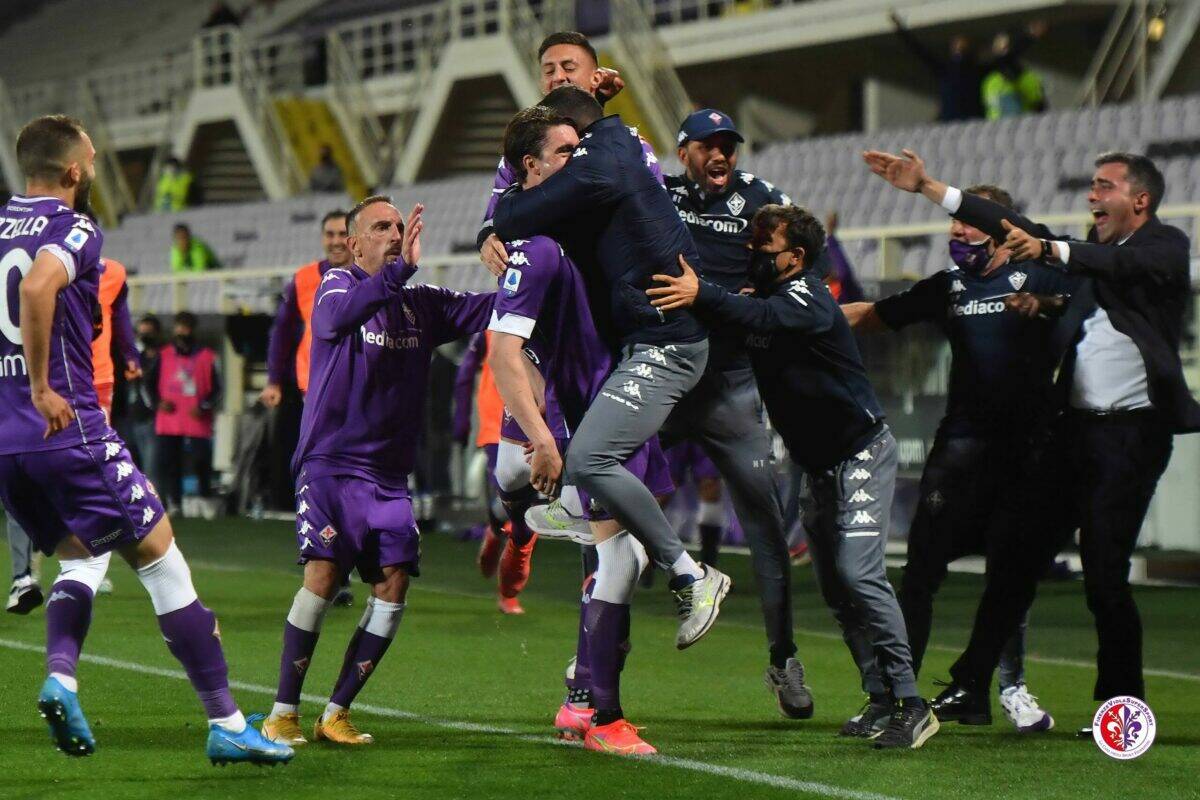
<point>763,272</point>
<point>185,343</point>
<point>149,341</point>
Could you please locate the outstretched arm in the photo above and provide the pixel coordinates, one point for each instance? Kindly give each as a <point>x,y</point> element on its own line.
<point>862,316</point>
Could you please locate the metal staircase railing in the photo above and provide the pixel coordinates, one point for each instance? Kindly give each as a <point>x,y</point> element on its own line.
<point>1121,57</point>
<point>646,62</point>
<point>365,134</point>
<point>117,198</point>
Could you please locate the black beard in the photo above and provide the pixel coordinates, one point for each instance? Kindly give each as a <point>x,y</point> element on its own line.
<point>83,199</point>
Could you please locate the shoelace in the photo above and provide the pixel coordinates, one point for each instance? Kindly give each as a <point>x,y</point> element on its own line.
<point>794,679</point>
<point>1024,701</point>
<point>685,598</point>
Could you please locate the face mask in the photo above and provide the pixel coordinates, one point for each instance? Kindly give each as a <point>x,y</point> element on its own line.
<point>185,343</point>
<point>972,258</point>
<point>148,341</point>
<point>763,272</point>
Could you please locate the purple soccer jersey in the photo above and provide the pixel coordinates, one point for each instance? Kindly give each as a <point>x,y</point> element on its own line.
<point>543,300</point>
<point>28,227</point>
<point>372,342</point>
<point>506,177</point>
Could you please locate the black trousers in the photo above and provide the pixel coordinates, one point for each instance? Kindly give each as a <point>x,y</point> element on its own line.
<point>173,451</point>
<point>966,482</point>
<point>1097,474</point>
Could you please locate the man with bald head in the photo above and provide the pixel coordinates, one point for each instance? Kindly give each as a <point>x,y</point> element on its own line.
<point>372,341</point>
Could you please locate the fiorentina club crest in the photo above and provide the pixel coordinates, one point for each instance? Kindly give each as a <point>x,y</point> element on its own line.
<point>301,665</point>
<point>364,669</point>
<point>1017,280</point>
<point>736,203</point>
<point>1123,727</point>
<point>327,534</point>
<point>716,118</point>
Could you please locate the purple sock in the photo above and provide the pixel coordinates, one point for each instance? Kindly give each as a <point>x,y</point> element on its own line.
<point>195,640</point>
<point>68,615</point>
<point>362,657</point>
<point>607,628</point>
<point>583,666</point>
<point>298,647</point>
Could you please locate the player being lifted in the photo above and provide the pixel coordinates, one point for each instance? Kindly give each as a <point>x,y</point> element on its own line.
<point>372,342</point>
<point>65,476</point>
<point>542,318</point>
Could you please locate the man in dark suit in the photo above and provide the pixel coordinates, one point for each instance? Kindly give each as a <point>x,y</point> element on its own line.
<point>1122,397</point>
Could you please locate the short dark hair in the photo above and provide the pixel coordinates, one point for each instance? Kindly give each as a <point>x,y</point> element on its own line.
<point>577,105</point>
<point>371,200</point>
<point>334,214</point>
<point>993,193</point>
<point>186,318</point>
<point>179,226</point>
<point>567,37</point>
<point>526,136</point>
<point>150,319</point>
<point>803,229</point>
<point>44,145</point>
<point>1142,172</point>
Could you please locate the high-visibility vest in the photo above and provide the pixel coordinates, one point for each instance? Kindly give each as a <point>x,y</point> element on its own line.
<point>184,380</point>
<point>488,403</point>
<point>307,279</point>
<point>112,279</point>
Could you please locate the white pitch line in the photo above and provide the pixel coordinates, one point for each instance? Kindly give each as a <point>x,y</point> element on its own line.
<point>736,773</point>
<point>435,589</point>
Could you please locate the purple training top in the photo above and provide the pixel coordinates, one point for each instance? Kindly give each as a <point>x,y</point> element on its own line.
<point>372,341</point>
<point>29,226</point>
<point>505,177</point>
<point>543,300</point>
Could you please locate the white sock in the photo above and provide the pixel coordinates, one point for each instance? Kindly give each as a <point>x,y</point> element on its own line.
<point>383,618</point>
<point>618,570</point>
<point>308,611</point>
<point>88,571</point>
<point>68,681</point>
<point>331,708</point>
<point>686,565</point>
<point>569,497</point>
<point>169,582</point>
<point>234,723</point>
<point>711,514</point>
<point>279,709</point>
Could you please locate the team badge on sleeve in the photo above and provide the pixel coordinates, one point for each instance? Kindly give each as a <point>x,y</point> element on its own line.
<point>512,281</point>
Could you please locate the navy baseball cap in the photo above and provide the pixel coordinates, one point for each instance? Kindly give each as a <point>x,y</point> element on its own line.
<point>704,123</point>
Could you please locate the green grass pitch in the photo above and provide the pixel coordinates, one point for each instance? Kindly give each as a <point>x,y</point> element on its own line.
<point>462,705</point>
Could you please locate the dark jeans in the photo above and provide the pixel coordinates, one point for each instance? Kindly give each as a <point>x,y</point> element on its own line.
<point>1097,474</point>
<point>966,481</point>
<point>173,451</point>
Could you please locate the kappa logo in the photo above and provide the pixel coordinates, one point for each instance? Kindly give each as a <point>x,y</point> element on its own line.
<point>112,450</point>
<point>957,286</point>
<point>301,665</point>
<point>512,278</point>
<point>643,371</point>
<point>364,669</point>
<point>147,515</point>
<point>861,496</point>
<point>632,389</point>
<point>328,534</point>
<point>865,455</point>
<point>862,518</point>
<point>302,507</point>
<point>747,178</point>
<point>519,258</point>
<point>124,470</point>
<point>305,527</point>
<point>655,354</point>
<point>651,159</point>
<point>579,151</point>
<point>58,595</point>
<point>1017,280</point>
<point>682,137</point>
<point>736,203</point>
<point>860,474</point>
<point>519,242</point>
<point>303,489</point>
<point>137,493</point>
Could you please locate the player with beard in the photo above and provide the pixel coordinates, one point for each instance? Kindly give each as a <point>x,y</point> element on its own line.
<point>373,338</point>
<point>545,344</point>
<point>722,416</point>
<point>999,398</point>
<point>64,474</point>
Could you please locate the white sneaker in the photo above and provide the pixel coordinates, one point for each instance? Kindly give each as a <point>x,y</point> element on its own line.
<point>105,587</point>
<point>24,596</point>
<point>1023,711</point>
<point>553,521</point>
<point>699,603</point>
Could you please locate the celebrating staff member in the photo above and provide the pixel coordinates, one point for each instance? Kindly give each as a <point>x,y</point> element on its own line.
<point>1000,383</point>
<point>819,399</point>
<point>1123,395</point>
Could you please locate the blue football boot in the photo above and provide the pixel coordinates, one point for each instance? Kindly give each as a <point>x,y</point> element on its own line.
<point>69,729</point>
<point>226,747</point>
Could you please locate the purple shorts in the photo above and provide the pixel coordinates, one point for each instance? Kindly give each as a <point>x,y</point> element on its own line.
<point>649,465</point>
<point>93,491</point>
<point>356,523</point>
<point>690,457</point>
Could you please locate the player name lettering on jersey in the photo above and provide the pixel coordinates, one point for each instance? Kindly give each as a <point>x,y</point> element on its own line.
<point>27,226</point>
<point>386,340</point>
